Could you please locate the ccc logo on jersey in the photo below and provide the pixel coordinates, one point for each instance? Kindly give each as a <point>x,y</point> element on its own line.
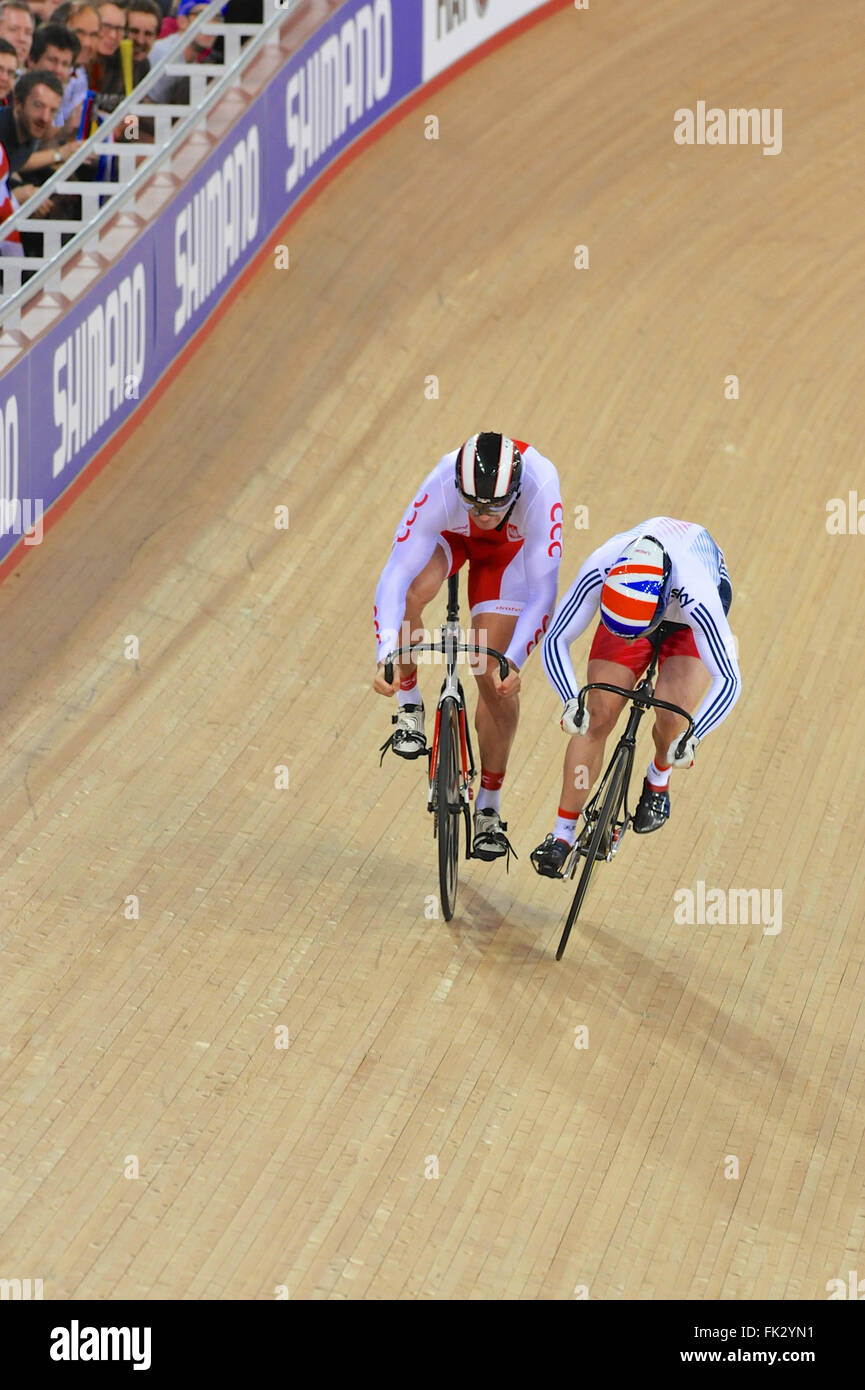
<point>539,632</point>
<point>555,546</point>
<point>410,520</point>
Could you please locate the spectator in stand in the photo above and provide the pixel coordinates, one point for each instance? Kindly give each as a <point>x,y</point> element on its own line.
<point>174,91</point>
<point>16,25</point>
<point>112,28</point>
<point>142,27</point>
<point>41,11</point>
<point>81,19</point>
<point>56,48</point>
<point>36,99</point>
<point>169,22</point>
<point>30,119</point>
<point>24,125</point>
<point>8,70</point>
<point>106,70</point>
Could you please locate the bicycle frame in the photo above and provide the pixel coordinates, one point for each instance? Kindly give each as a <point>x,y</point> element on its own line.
<point>642,699</point>
<point>450,647</point>
<point>452,686</point>
<point>605,823</point>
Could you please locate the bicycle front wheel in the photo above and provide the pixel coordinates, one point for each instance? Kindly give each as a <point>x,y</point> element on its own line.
<point>609,808</point>
<point>448,805</point>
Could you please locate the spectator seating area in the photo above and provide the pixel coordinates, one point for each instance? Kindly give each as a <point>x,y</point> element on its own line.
<point>64,69</point>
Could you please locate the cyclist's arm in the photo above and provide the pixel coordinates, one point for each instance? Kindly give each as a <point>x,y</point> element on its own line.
<point>570,620</point>
<point>414,543</point>
<point>717,650</point>
<point>542,551</point>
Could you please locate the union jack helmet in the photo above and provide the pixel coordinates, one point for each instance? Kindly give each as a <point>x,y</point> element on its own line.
<point>637,589</point>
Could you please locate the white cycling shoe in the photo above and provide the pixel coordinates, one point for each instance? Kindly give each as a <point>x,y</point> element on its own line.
<point>490,841</point>
<point>408,739</point>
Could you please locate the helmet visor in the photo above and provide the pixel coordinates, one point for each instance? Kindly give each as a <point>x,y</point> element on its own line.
<point>485,508</point>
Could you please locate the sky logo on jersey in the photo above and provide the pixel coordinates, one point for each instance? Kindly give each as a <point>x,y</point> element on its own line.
<point>634,589</point>
<point>683,596</point>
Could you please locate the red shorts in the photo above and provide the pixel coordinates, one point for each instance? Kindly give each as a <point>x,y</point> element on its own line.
<point>497,581</point>
<point>637,655</point>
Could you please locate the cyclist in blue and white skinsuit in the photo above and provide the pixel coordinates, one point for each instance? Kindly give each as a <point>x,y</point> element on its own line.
<point>662,571</point>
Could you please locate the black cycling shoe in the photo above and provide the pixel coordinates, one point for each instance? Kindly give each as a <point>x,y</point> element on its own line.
<point>550,855</point>
<point>653,810</point>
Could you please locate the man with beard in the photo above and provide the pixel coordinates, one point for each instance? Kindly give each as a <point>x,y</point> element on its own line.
<point>36,100</point>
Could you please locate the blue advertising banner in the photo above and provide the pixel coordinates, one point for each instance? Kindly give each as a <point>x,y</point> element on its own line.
<point>90,372</point>
<point>210,231</point>
<point>19,510</point>
<point>355,68</point>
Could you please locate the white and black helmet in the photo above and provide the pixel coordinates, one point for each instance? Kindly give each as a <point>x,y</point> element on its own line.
<point>489,470</point>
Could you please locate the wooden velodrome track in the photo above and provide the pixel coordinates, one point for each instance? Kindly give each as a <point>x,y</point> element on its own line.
<point>412,1043</point>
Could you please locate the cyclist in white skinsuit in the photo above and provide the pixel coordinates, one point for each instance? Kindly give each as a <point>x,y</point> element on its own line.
<point>497,504</point>
<point>662,571</point>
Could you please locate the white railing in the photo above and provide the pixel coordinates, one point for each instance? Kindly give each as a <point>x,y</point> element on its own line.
<point>208,82</point>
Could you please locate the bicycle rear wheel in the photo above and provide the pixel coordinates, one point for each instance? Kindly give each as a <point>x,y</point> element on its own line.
<point>618,775</point>
<point>448,805</point>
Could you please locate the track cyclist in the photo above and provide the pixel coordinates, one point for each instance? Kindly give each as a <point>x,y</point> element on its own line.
<point>496,503</point>
<point>664,579</point>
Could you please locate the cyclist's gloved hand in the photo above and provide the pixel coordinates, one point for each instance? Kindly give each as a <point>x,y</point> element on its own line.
<point>687,758</point>
<point>568,720</point>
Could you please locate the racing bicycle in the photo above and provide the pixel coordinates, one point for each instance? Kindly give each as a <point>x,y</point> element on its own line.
<point>607,815</point>
<point>451,757</point>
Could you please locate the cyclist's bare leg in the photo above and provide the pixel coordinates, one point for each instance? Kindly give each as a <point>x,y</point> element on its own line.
<point>683,681</point>
<point>422,589</point>
<point>584,755</point>
<point>408,739</point>
<point>497,715</point>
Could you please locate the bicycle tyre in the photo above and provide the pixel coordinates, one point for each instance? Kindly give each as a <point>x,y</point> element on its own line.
<point>609,806</point>
<point>448,805</point>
